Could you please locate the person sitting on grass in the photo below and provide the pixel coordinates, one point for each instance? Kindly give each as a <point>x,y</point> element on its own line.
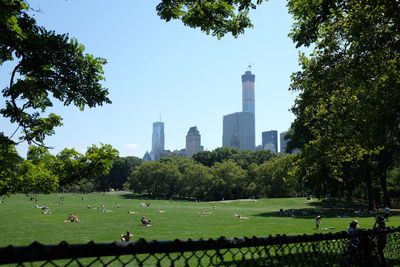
<point>317,222</point>
<point>145,221</point>
<point>126,237</point>
<point>353,227</point>
<point>354,242</point>
<point>386,213</point>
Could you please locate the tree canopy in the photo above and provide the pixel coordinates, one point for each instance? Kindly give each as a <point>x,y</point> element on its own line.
<point>46,173</point>
<point>47,66</point>
<point>216,17</point>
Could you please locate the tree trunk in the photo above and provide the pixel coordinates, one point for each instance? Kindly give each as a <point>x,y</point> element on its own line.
<point>384,163</point>
<point>386,198</point>
<point>366,173</point>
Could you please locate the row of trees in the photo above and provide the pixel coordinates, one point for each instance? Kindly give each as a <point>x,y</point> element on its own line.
<point>233,174</point>
<point>226,174</point>
<point>230,177</point>
<point>46,173</point>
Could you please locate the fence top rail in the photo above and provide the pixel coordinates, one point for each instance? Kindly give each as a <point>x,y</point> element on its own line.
<point>38,252</point>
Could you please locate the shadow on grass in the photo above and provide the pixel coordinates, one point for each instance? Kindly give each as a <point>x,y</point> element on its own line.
<point>147,197</point>
<point>131,196</point>
<point>327,208</point>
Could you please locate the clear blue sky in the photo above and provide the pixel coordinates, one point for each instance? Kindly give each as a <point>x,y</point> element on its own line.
<point>155,67</point>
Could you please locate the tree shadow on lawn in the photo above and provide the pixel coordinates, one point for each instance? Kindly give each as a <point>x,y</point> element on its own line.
<point>327,208</point>
<point>135,196</point>
<point>147,197</point>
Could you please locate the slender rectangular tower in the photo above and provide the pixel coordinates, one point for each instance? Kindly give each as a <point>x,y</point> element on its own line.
<point>248,98</point>
<point>157,140</point>
<point>248,104</point>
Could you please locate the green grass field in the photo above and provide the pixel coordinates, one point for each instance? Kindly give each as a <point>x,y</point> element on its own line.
<point>22,224</point>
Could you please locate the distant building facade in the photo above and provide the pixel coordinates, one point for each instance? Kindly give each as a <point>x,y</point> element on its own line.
<point>270,140</point>
<point>239,131</point>
<point>283,142</point>
<point>193,142</point>
<point>147,156</point>
<point>158,141</point>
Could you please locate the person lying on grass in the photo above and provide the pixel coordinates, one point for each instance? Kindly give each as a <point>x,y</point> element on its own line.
<point>204,213</point>
<point>72,218</point>
<point>145,221</point>
<point>126,237</point>
<point>240,216</point>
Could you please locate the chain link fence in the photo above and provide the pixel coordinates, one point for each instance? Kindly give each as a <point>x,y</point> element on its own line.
<point>364,248</point>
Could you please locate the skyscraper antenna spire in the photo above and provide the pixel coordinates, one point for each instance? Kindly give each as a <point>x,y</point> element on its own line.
<point>160,116</point>
<point>250,65</point>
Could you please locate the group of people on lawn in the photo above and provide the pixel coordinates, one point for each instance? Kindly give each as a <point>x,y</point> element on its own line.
<point>353,227</point>
<point>354,224</point>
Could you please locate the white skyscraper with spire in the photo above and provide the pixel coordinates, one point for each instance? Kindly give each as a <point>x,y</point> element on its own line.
<point>239,129</point>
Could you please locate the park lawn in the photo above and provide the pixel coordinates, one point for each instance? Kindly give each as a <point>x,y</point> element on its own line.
<point>21,223</point>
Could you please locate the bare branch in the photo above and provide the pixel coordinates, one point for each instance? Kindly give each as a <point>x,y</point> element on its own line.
<point>12,83</point>
<point>15,131</point>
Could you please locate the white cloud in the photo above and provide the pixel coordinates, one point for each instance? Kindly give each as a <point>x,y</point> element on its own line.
<point>133,146</point>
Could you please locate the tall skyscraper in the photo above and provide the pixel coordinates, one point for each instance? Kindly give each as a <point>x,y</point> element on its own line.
<point>193,142</point>
<point>239,129</point>
<point>270,140</point>
<point>158,138</point>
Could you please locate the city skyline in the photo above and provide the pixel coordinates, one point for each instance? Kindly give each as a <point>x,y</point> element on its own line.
<point>187,76</point>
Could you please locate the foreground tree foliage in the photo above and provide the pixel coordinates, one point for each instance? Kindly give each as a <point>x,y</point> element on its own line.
<point>213,17</point>
<point>46,66</point>
<point>349,90</point>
